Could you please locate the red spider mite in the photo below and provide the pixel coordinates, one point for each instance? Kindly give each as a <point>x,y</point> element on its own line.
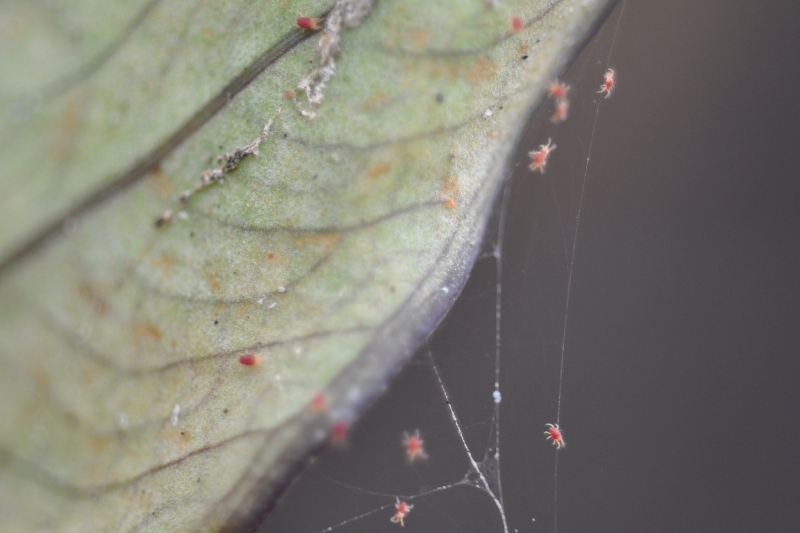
<point>539,158</point>
<point>319,403</point>
<point>554,433</point>
<point>248,359</point>
<point>608,83</point>
<point>415,447</point>
<point>402,510</point>
<point>309,23</point>
<point>559,89</point>
<point>517,23</point>
<point>339,433</point>
<point>562,110</point>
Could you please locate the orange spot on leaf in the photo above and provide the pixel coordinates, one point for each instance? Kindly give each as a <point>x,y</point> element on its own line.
<point>482,70</point>
<point>327,241</point>
<point>93,296</point>
<point>376,171</point>
<point>450,185</point>
<point>165,263</point>
<point>146,331</point>
<point>375,101</point>
<point>176,436</point>
<point>159,183</point>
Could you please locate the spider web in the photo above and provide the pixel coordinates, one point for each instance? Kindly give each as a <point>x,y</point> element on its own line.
<point>468,373</point>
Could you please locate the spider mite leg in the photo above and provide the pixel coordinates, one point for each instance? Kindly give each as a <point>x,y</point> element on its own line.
<point>554,433</point>
<point>539,158</point>
<point>559,89</point>
<point>609,82</point>
<point>402,509</point>
<point>562,110</point>
<point>415,447</point>
<point>310,24</point>
<point>349,13</point>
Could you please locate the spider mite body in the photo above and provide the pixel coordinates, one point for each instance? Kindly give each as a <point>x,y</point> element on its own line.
<point>309,23</point>
<point>415,447</point>
<point>248,359</point>
<point>539,158</point>
<point>402,509</point>
<point>517,23</point>
<point>319,403</point>
<point>339,433</point>
<point>562,110</point>
<point>609,82</point>
<point>554,433</point>
<point>559,89</point>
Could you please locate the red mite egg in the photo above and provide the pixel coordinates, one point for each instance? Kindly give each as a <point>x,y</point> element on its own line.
<point>248,359</point>
<point>517,24</point>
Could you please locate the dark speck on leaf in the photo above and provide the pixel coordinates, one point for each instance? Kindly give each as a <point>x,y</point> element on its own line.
<point>225,410</point>
<point>525,56</point>
<point>439,97</point>
<point>216,322</point>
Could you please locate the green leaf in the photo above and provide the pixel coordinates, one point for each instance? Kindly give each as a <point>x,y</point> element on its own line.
<point>123,404</point>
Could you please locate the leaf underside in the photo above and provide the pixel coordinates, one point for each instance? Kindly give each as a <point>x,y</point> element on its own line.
<point>123,405</point>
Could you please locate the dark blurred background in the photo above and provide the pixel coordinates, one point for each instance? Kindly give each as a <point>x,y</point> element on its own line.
<point>680,403</point>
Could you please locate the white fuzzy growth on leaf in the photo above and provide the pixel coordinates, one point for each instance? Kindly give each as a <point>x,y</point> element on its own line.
<point>349,13</point>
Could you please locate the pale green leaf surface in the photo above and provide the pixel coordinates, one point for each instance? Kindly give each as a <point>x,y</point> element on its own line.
<point>328,255</point>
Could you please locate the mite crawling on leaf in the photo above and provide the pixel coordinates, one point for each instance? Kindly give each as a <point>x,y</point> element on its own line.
<point>609,82</point>
<point>402,509</point>
<point>349,13</point>
<point>309,23</point>
<point>216,175</point>
<point>539,157</point>
<point>517,23</point>
<point>248,359</point>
